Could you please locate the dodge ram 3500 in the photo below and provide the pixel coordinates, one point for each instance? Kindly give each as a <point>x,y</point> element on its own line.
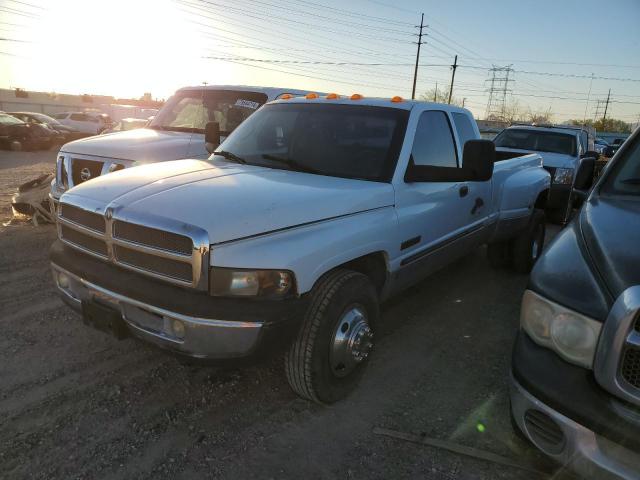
<point>307,216</point>
<point>176,132</point>
<point>576,362</point>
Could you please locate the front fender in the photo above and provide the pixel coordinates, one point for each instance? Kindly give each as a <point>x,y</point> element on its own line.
<point>312,250</point>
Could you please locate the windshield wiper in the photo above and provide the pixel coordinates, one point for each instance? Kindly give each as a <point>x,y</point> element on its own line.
<point>290,162</point>
<point>230,156</point>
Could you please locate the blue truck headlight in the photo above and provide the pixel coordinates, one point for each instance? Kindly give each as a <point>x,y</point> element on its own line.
<point>563,176</point>
<point>570,334</point>
<point>230,282</point>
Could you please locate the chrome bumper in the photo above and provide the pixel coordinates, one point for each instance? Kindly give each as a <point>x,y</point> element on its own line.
<point>584,452</point>
<point>192,336</point>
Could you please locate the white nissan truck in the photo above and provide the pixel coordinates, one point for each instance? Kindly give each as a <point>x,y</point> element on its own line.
<point>176,131</point>
<point>305,218</point>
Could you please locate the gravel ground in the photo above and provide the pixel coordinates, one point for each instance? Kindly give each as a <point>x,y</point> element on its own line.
<point>75,403</point>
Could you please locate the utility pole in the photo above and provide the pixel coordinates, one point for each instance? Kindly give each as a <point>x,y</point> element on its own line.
<point>415,73</point>
<point>435,94</point>
<point>464,100</point>
<point>606,106</point>
<point>584,120</point>
<point>453,76</point>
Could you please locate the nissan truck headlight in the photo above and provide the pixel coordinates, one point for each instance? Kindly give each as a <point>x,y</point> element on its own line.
<point>230,282</point>
<point>571,335</point>
<point>563,176</point>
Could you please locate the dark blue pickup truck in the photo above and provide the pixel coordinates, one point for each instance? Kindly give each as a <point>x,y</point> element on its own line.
<point>575,385</point>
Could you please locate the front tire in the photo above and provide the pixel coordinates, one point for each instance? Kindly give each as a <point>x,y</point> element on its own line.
<point>527,247</point>
<point>331,351</point>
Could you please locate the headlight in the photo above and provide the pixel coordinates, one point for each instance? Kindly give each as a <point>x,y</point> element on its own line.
<point>572,335</point>
<point>63,181</point>
<point>224,282</point>
<point>563,176</point>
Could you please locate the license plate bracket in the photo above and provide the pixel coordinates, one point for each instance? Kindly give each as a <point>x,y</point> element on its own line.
<point>104,319</point>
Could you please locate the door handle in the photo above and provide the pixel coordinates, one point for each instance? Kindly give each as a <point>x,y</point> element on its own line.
<point>464,190</point>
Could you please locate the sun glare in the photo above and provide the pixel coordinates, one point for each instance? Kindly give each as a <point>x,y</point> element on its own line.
<point>124,49</point>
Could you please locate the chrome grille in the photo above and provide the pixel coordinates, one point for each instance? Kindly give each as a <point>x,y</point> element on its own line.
<point>93,221</point>
<point>173,257</point>
<point>83,170</point>
<point>83,241</point>
<point>152,237</point>
<point>162,266</point>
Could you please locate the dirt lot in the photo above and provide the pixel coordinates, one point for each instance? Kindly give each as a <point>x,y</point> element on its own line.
<point>75,403</point>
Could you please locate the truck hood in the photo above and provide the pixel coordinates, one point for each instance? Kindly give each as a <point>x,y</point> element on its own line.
<point>229,201</point>
<point>141,145</point>
<point>549,159</point>
<point>611,232</point>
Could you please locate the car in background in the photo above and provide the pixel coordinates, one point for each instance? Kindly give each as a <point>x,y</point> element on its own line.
<point>86,122</point>
<point>18,135</point>
<point>575,383</point>
<point>616,143</point>
<point>562,148</point>
<point>127,124</point>
<point>176,132</point>
<point>603,148</point>
<point>67,133</point>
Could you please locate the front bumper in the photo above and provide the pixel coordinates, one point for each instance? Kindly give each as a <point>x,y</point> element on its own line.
<point>211,327</point>
<point>594,434</point>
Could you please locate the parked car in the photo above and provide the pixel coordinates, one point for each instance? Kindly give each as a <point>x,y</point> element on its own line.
<point>305,218</point>
<point>616,143</point>
<point>576,362</point>
<point>562,148</point>
<point>65,132</point>
<point>603,148</point>
<point>18,135</point>
<point>85,122</point>
<point>177,131</point>
<point>127,124</point>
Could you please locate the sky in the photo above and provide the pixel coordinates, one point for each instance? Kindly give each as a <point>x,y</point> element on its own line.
<point>127,47</point>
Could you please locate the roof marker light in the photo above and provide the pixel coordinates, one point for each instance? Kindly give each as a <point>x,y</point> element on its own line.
<point>286,96</point>
<point>356,96</point>
<point>333,96</point>
<point>311,96</point>
<point>397,99</point>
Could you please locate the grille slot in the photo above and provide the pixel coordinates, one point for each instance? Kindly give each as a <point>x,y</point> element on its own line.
<point>82,217</point>
<point>544,431</point>
<point>152,237</point>
<point>83,241</point>
<point>631,366</point>
<point>159,265</point>
<point>81,168</point>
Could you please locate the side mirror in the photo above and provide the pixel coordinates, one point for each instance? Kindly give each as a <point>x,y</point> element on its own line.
<point>212,136</point>
<point>584,178</point>
<point>478,158</point>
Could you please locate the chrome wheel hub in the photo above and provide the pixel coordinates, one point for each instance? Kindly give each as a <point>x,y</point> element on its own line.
<point>352,342</point>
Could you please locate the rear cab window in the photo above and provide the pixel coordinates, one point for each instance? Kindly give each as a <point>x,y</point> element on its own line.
<point>433,144</point>
<point>464,128</point>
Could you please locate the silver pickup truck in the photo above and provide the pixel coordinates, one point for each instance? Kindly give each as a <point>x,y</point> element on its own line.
<point>308,215</point>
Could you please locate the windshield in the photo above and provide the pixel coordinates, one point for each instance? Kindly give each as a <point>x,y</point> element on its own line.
<point>537,141</point>
<point>42,118</point>
<point>191,110</point>
<point>624,178</point>
<point>338,140</point>
<point>9,120</point>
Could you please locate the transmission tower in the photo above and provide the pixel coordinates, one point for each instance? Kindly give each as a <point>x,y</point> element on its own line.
<point>499,78</point>
<point>599,109</point>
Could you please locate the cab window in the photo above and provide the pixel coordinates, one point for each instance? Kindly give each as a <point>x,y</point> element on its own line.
<point>433,144</point>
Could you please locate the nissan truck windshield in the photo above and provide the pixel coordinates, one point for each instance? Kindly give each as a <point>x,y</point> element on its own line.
<point>191,110</point>
<point>537,141</point>
<point>346,141</point>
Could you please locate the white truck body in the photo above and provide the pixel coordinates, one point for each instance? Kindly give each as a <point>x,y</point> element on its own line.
<point>270,217</point>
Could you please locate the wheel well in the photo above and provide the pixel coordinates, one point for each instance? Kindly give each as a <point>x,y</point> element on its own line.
<point>541,201</point>
<point>373,265</point>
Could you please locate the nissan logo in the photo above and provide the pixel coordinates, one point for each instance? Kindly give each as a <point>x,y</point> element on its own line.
<point>85,174</point>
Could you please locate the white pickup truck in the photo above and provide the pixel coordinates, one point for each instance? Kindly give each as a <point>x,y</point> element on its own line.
<point>309,215</point>
<point>176,131</point>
